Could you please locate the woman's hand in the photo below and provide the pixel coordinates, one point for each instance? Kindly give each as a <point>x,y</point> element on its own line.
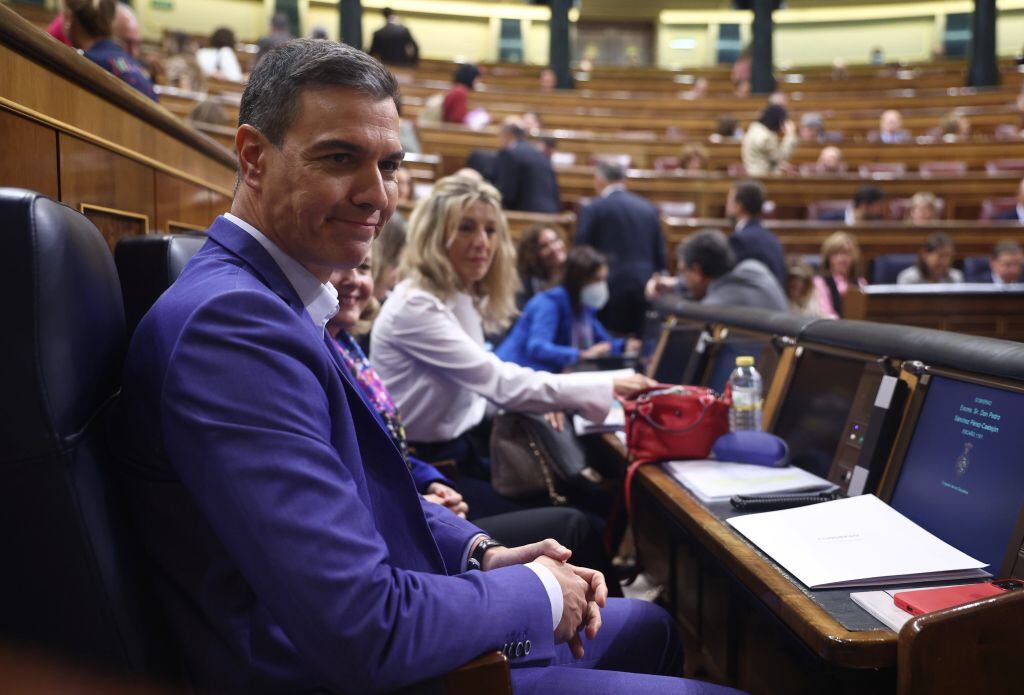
<point>445,496</point>
<point>630,386</point>
<point>556,418</point>
<point>596,350</point>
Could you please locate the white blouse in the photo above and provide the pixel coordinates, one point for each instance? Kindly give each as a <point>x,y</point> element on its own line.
<point>220,60</point>
<point>431,355</point>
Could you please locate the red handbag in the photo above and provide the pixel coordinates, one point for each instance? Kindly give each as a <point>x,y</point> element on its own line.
<point>666,423</point>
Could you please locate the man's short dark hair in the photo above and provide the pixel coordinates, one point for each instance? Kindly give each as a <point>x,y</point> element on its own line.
<point>388,13</point>
<point>867,195</point>
<point>1006,246</point>
<point>611,172</point>
<point>709,249</point>
<point>750,196</point>
<point>515,129</point>
<point>270,99</point>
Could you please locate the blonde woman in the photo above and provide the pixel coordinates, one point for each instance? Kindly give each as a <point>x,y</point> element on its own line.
<point>840,267</point>
<point>428,341</point>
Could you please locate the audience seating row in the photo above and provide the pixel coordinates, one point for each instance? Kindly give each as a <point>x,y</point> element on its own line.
<point>455,143</point>
<point>80,135</point>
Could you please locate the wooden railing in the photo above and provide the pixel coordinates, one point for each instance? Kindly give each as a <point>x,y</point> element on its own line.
<point>78,134</point>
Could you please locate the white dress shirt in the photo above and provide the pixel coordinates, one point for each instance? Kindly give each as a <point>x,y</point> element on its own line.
<point>319,298</point>
<point>430,353</point>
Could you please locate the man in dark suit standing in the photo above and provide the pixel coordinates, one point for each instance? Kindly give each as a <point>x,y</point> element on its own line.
<point>750,239</point>
<point>1017,214</point>
<point>523,174</point>
<point>393,44</point>
<point>627,230</point>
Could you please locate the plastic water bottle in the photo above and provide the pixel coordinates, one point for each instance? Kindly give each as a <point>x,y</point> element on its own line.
<point>746,385</point>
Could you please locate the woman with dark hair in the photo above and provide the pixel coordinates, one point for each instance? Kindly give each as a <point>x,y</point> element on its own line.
<point>456,101</point>
<point>934,263</point>
<point>220,60</point>
<point>768,143</point>
<point>540,258</point>
<point>559,327</point>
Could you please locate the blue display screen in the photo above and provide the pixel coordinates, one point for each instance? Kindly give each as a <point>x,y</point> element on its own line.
<point>963,475</point>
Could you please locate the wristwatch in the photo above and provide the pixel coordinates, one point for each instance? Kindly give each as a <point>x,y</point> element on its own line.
<point>476,560</point>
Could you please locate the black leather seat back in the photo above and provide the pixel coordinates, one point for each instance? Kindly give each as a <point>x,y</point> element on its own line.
<point>67,580</point>
<point>148,265</point>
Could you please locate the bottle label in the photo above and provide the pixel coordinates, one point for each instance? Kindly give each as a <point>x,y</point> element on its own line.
<point>743,399</point>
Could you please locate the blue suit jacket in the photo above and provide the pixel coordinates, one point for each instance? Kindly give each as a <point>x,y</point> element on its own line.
<point>291,549</point>
<point>542,337</point>
<point>755,241</point>
<point>627,230</point>
<point>526,179</point>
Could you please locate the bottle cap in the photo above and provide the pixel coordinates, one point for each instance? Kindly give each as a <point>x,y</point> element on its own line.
<point>745,361</point>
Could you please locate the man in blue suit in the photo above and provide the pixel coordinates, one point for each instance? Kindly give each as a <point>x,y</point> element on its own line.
<point>291,551</point>
<point>523,174</point>
<point>751,239</point>
<point>627,230</point>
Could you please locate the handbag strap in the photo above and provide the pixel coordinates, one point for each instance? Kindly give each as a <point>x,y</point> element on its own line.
<point>545,470</point>
<point>672,430</point>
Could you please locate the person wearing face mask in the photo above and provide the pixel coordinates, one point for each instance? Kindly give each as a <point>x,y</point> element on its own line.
<point>428,341</point>
<point>559,327</point>
<point>569,527</point>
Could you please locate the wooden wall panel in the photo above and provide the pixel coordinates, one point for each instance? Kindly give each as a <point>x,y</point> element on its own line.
<point>98,178</point>
<point>29,157</point>
<point>180,205</point>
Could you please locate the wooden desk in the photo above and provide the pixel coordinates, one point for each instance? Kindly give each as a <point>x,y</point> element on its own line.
<point>874,238</point>
<point>744,621</point>
<point>791,194</point>
<point>973,309</point>
<point>455,143</point>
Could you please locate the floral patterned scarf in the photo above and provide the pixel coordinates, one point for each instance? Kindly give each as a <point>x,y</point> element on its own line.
<point>373,388</point>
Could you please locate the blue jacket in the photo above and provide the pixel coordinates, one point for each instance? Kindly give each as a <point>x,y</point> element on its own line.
<point>542,337</point>
<point>290,548</point>
<point>755,241</point>
<point>526,179</point>
<point>627,230</point>
<point>112,58</point>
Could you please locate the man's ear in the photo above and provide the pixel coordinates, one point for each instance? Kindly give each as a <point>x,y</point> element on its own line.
<point>252,147</point>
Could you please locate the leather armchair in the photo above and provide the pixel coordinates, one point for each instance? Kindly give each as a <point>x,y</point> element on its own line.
<point>70,584</point>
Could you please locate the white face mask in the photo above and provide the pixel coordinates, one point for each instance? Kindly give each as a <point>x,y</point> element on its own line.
<point>594,295</point>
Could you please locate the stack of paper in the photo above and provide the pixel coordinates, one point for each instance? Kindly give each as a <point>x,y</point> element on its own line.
<point>714,481</point>
<point>859,541</point>
<point>616,421</point>
<point>882,606</point>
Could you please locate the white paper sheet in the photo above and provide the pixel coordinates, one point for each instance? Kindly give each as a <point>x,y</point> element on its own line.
<point>858,541</point>
<point>713,481</point>
<point>616,421</point>
<point>882,606</point>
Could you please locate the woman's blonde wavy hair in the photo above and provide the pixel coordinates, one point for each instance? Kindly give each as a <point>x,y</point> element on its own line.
<point>434,222</point>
